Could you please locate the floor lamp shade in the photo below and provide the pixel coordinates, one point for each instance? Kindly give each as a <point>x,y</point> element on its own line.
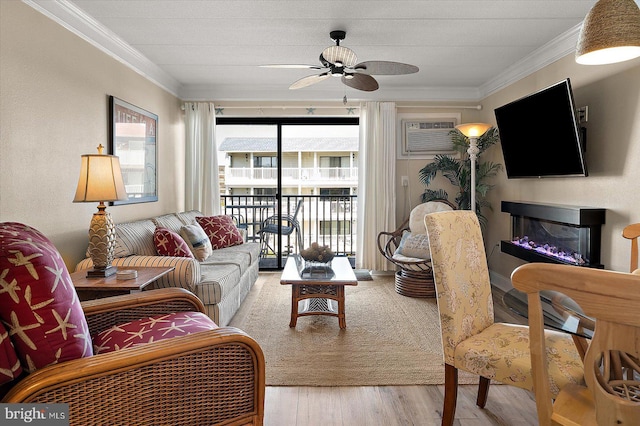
<point>100,181</point>
<point>610,33</point>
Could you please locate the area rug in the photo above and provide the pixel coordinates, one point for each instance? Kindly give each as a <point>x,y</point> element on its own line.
<point>389,340</point>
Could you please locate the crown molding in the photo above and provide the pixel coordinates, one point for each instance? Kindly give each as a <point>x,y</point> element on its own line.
<point>559,47</point>
<point>84,26</point>
<point>277,93</point>
<point>75,20</point>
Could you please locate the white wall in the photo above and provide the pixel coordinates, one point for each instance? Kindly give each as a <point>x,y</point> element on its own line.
<point>54,90</point>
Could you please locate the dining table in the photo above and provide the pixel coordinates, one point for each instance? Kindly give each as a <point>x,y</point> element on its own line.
<point>559,311</point>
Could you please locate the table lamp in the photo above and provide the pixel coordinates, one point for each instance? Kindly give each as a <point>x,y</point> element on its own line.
<point>100,181</point>
<point>473,131</point>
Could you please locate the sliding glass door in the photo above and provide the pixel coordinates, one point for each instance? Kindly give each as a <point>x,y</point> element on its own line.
<point>290,182</point>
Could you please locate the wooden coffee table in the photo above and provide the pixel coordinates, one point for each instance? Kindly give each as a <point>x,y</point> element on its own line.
<point>318,290</point>
<point>96,288</point>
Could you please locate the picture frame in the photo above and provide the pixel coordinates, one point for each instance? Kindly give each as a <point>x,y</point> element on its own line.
<point>133,138</point>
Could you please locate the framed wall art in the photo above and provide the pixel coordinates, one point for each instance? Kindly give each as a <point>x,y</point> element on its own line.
<point>133,138</point>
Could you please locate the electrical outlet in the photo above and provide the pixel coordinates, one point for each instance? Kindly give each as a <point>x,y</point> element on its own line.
<point>405,180</point>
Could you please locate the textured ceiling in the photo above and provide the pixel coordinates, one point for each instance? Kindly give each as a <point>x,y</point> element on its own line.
<point>212,49</point>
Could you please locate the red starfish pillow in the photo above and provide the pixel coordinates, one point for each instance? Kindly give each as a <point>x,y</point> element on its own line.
<point>38,303</point>
<point>9,365</point>
<point>221,230</point>
<point>169,243</point>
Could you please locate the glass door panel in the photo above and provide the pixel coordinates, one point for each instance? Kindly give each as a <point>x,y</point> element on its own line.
<point>248,162</point>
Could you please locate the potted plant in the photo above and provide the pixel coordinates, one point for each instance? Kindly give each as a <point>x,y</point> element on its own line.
<point>458,172</point>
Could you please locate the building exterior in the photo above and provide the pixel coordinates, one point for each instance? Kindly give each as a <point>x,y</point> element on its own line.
<point>310,166</point>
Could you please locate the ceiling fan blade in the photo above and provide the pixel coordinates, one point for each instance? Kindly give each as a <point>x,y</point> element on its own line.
<point>308,81</point>
<point>385,68</point>
<point>361,82</point>
<point>340,54</point>
<point>293,66</point>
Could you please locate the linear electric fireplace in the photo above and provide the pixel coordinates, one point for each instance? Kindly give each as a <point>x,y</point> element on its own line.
<point>554,233</point>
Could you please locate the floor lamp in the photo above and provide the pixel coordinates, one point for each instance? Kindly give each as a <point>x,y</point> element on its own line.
<point>100,181</point>
<point>473,131</point>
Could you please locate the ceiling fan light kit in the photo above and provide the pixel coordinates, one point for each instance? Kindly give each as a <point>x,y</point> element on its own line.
<point>340,61</point>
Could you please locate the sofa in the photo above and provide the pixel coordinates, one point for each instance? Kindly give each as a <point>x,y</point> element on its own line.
<point>221,281</point>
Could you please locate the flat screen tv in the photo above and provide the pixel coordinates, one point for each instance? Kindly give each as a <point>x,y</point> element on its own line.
<point>540,136</point>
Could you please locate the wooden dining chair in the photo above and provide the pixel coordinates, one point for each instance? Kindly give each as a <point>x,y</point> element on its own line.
<point>632,232</point>
<point>471,340</point>
<point>612,368</point>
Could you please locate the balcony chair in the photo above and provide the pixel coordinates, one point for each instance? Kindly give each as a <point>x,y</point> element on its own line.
<point>632,232</point>
<point>148,358</point>
<point>471,340</point>
<point>612,367</point>
<point>272,225</point>
<point>408,248</point>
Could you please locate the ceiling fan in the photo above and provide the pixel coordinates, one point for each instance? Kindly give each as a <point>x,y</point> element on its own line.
<point>340,61</point>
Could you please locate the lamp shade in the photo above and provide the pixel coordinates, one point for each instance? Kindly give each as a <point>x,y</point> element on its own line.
<point>100,179</point>
<point>610,33</point>
<point>473,130</point>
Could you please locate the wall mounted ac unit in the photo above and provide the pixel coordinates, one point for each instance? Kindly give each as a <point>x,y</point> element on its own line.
<point>420,137</point>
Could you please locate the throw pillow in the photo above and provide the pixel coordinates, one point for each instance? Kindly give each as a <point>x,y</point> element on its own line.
<point>9,365</point>
<point>197,241</point>
<point>221,230</point>
<point>39,305</point>
<point>168,243</point>
<point>414,245</point>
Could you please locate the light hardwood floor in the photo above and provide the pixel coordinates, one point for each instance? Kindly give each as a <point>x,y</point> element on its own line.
<point>392,405</point>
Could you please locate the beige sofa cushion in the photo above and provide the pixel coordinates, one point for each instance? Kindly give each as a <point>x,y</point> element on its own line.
<point>169,221</point>
<point>187,218</point>
<point>135,238</point>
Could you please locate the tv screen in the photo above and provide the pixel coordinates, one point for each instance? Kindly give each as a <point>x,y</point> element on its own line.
<point>540,136</point>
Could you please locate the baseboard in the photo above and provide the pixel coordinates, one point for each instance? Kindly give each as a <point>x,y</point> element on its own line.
<point>500,281</point>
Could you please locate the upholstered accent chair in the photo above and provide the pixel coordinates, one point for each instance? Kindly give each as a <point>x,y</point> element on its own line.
<point>612,366</point>
<point>153,357</point>
<point>471,340</point>
<point>408,249</point>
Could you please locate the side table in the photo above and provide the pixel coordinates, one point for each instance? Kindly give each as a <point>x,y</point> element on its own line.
<point>96,288</point>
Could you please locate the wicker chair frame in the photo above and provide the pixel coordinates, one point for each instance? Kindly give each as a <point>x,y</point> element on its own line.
<point>214,377</point>
<point>413,279</point>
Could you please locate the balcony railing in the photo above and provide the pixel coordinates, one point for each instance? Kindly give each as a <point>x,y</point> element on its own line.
<point>327,220</point>
<point>241,175</point>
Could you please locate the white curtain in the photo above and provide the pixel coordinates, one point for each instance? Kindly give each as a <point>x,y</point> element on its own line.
<point>202,190</point>
<point>376,181</point>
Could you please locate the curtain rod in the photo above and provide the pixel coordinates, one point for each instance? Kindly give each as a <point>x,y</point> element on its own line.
<point>477,107</point>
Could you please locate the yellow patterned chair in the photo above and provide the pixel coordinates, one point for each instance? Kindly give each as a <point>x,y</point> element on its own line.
<point>471,340</point>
